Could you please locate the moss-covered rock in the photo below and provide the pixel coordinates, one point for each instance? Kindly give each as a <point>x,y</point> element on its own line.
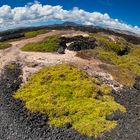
<point>68,95</point>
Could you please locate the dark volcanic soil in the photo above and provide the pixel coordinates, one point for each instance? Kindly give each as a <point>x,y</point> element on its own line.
<point>16,123</point>
<point>129,125</point>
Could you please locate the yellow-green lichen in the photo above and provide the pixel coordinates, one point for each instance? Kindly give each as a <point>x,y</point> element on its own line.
<point>68,95</point>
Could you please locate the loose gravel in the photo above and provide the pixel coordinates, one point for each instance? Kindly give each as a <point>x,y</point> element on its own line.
<point>128,127</point>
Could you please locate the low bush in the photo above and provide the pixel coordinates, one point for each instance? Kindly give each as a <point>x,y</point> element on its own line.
<point>50,44</point>
<point>4,45</point>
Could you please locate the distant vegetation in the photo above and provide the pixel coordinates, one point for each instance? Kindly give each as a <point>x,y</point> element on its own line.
<point>69,96</point>
<point>50,44</point>
<point>4,45</point>
<point>34,33</point>
<point>21,35</point>
<point>10,37</point>
<point>122,67</point>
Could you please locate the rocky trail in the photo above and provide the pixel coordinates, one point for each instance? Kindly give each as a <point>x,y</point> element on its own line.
<point>33,61</point>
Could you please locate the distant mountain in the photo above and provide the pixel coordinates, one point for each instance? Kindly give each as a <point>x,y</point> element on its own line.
<point>68,23</point>
<point>65,24</point>
<point>129,36</point>
<point>126,32</point>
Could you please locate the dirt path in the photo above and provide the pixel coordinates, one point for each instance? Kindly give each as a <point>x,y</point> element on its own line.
<point>14,53</point>
<point>33,61</point>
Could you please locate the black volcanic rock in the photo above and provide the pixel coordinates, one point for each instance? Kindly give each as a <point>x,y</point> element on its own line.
<point>128,124</point>
<point>77,43</point>
<point>82,43</point>
<point>63,46</point>
<point>61,50</point>
<point>114,116</point>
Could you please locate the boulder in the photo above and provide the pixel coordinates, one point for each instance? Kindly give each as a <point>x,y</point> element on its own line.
<point>62,45</point>
<point>137,83</point>
<point>78,43</point>
<point>114,116</point>
<point>124,51</point>
<point>75,46</point>
<point>81,45</point>
<point>61,50</point>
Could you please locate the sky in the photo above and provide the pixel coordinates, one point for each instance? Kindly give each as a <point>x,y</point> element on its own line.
<point>118,14</point>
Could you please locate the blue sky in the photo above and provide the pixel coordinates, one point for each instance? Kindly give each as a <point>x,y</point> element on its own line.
<point>126,10</point>
<point>120,14</point>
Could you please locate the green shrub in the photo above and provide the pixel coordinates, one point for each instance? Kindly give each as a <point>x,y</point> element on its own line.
<point>68,95</point>
<point>50,44</point>
<point>4,45</point>
<point>124,68</point>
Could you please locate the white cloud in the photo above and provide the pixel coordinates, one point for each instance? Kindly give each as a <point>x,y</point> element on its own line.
<point>35,12</point>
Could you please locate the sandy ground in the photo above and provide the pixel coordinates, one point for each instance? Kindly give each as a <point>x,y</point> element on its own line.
<point>33,61</point>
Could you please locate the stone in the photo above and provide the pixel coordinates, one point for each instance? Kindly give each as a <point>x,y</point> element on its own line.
<point>114,116</point>
<point>61,50</point>
<point>78,43</point>
<point>137,83</point>
<point>67,125</point>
